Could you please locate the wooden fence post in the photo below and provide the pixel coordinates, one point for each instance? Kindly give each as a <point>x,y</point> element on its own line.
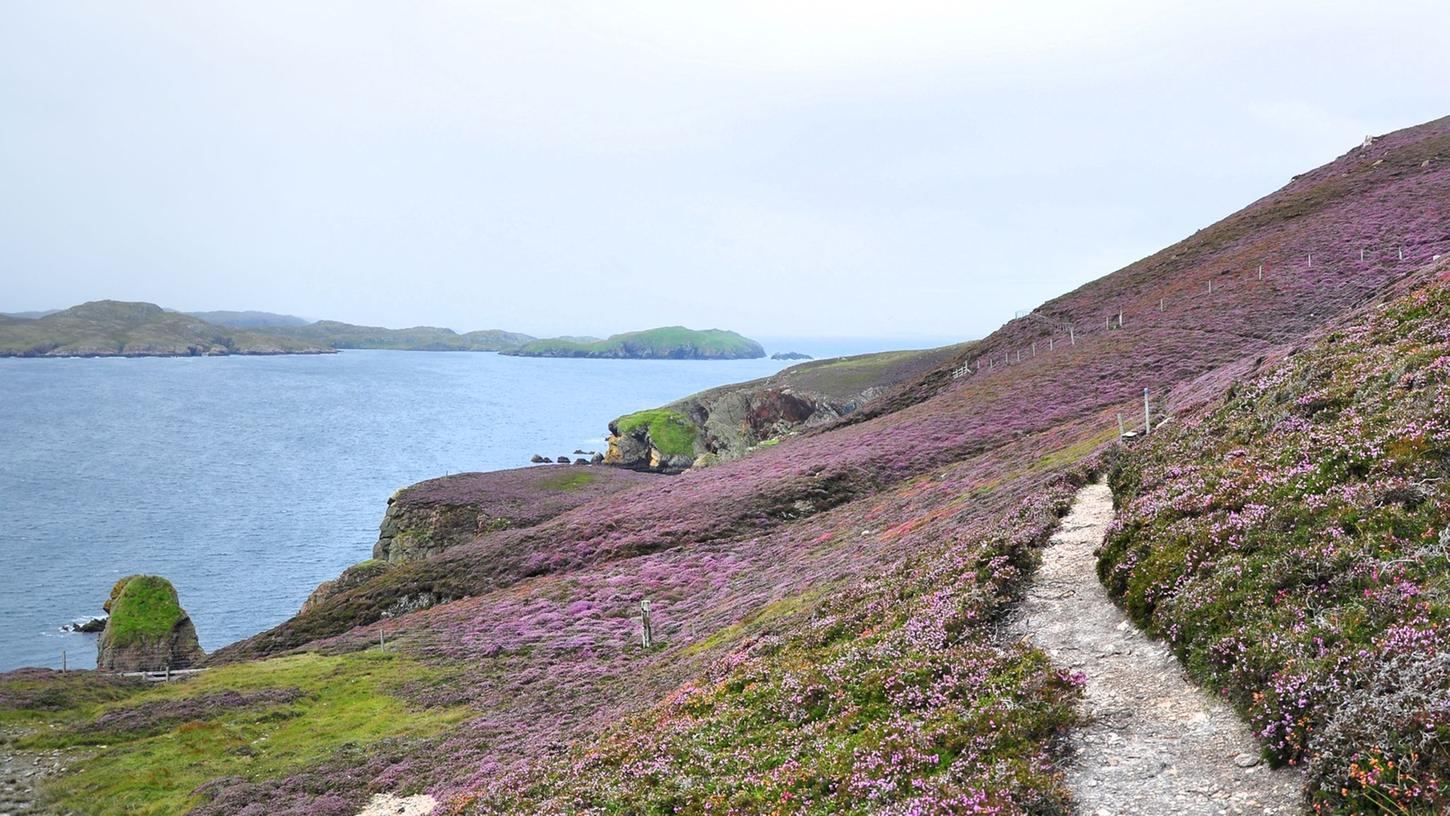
<point>1160,304</point>
<point>1120,318</point>
<point>647,635</point>
<point>1122,432</point>
<point>1147,418</point>
<point>1071,335</point>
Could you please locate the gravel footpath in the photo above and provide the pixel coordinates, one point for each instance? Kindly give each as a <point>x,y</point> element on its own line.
<point>1155,744</point>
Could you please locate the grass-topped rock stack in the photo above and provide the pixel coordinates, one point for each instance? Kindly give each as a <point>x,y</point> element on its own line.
<point>148,630</point>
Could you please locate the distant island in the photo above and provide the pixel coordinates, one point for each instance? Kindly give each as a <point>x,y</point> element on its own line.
<point>665,343</point>
<point>113,328</point>
<point>790,355</point>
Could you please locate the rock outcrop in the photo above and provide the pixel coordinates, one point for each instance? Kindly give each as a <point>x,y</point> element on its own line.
<point>147,629</point>
<point>726,423</point>
<point>432,516</point>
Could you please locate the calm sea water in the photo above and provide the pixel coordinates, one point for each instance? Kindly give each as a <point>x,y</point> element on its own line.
<point>247,481</point>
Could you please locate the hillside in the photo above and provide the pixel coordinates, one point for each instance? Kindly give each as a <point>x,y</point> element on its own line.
<point>666,343</point>
<point>725,423</point>
<point>111,328</point>
<point>826,611</point>
<point>418,338</point>
<point>249,319</point>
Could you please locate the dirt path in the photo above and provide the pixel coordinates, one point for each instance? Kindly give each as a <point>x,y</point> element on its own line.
<point>21,773</point>
<point>1156,744</point>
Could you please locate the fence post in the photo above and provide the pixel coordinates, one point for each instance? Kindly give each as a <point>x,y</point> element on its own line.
<point>1121,430</point>
<point>1071,335</point>
<point>62,661</point>
<point>1210,287</point>
<point>1108,323</point>
<point>647,635</point>
<point>1402,253</point>
<point>1147,418</point>
<point>1050,342</point>
<point>1261,271</point>
<point>1034,348</point>
<point>1120,318</point>
<point>1160,304</point>
<point>1311,260</point>
<point>1361,255</point>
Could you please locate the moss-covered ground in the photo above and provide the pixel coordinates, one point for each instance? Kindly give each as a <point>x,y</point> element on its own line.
<point>255,721</point>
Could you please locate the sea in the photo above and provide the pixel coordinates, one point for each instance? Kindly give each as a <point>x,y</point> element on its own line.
<point>247,481</point>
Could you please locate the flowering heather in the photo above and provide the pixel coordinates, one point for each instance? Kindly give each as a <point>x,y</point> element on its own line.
<point>524,496</point>
<point>1292,545</point>
<point>824,608</point>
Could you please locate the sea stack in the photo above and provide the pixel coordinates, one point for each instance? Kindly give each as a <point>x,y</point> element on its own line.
<point>147,630</point>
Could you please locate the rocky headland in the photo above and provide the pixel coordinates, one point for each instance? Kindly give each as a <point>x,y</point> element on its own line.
<point>725,423</point>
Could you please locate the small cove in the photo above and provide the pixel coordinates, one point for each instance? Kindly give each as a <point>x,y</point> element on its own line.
<point>247,481</point>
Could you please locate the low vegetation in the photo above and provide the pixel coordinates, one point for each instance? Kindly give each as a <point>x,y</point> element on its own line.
<point>671,432</point>
<point>142,608</point>
<point>110,328</point>
<point>1292,546</point>
<point>667,343</point>
<point>151,750</point>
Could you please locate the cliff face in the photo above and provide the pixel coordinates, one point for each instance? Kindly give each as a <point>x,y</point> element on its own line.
<point>147,629</point>
<point>725,423</point>
<point>432,516</point>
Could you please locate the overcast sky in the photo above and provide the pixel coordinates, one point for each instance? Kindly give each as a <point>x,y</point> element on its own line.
<point>895,169</point>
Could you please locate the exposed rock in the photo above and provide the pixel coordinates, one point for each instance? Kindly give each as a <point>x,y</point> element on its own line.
<point>563,460</point>
<point>89,627</point>
<point>355,575</point>
<point>732,420</point>
<point>147,629</point>
<point>790,355</point>
<point>539,460</point>
<point>596,459</point>
<point>581,461</point>
<point>432,516</point>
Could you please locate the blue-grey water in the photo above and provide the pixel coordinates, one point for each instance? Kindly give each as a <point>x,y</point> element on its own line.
<point>247,481</point>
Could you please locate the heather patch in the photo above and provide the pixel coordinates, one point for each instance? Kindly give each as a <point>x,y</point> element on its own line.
<point>893,696</point>
<point>1291,546</point>
<point>30,694</point>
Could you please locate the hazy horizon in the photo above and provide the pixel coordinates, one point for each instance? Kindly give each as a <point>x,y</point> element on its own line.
<point>922,170</point>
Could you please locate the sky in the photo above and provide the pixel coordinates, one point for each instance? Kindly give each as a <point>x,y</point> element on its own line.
<point>789,169</point>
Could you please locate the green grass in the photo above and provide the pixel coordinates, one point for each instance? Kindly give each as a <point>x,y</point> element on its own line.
<point>143,608</point>
<point>348,703</point>
<point>670,432</point>
<point>570,481</point>
<point>668,342</point>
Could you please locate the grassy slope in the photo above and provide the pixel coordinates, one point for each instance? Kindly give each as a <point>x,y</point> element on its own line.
<point>903,531</point>
<point>339,335</point>
<point>115,328</point>
<point>1289,543</point>
<point>669,342</point>
<point>147,750</point>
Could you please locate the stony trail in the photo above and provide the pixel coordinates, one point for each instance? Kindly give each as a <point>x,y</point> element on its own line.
<point>1155,744</point>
